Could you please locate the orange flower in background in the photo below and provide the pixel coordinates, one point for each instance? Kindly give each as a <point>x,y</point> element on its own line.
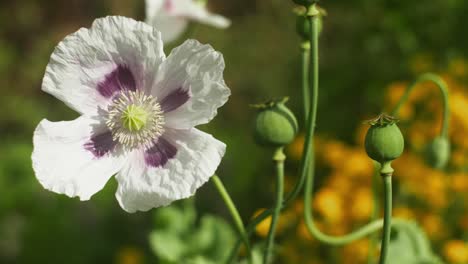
<point>433,225</point>
<point>458,67</point>
<point>421,63</point>
<point>286,218</point>
<point>344,197</point>
<point>403,213</point>
<point>356,252</point>
<point>362,204</point>
<point>459,182</point>
<point>329,204</point>
<point>456,252</point>
<point>129,255</point>
<point>295,149</point>
<point>334,153</point>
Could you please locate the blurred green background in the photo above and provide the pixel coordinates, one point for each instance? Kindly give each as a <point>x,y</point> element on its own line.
<point>366,46</point>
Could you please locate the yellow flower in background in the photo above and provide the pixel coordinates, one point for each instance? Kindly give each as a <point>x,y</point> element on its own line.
<point>356,252</point>
<point>264,226</point>
<point>303,232</point>
<point>463,222</point>
<point>340,183</point>
<point>458,106</point>
<point>358,164</point>
<point>360,134</point>
<point>403,213</point>
<point>329,204</point>
<point>334,153</point>
<point>456,252</point>
<point>433,225</point>
<point>286,218</point>
<point>129,255</point>
<point>458,67</point>
<point>362,204</point>
<point>395,91</point>
<point>295,149</point>
<point>458,158</point>
<point>459,182</point>
<point>421,63</point>
<point>434,189</point>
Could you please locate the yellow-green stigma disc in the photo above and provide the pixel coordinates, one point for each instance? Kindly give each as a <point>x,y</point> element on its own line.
<point>134,118</point>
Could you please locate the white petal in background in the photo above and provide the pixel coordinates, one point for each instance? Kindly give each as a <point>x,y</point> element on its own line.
<point>142,187</point>
<point>83,59</point>
<point>171,17</point>
<point>199,69</point>
<point>63,165</point>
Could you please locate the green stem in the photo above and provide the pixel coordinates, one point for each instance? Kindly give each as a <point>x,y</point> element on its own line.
<point>375,216</point>
<point>234,212</point>
<point>305,50</point>
<point>309,158</point>
<point>305,54</point>
<point>429,77</point>
<point>279,158</point>
<point>387,218</point>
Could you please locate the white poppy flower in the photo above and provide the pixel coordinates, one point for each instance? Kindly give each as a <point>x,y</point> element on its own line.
<point>138,112</point>
<point>171,17</point>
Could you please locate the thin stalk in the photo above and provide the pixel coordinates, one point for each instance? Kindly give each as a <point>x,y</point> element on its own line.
<point>375,216</point>
<point>305,54</point>
<point>278,158</point>
<point>234,213</point>
<point>291,196</point>
<point>387,218</point>
<point>429,77</point>
<point>309,159</point>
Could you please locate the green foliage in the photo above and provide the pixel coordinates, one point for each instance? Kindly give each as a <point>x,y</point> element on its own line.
<point>179,238</point>
<point>409,245</point>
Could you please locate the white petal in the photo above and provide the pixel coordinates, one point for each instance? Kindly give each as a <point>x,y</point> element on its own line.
<point>171,17</point>
<point>142,187</point>
<point>170,25</point>
<point>200,14</point>
<point>83,59</point>
<point>198,69</point>
<point>63,165</point>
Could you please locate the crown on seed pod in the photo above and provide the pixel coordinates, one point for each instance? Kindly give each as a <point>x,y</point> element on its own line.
<point>384,141</point>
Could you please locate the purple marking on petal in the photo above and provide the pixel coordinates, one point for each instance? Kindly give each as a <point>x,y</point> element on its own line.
<point>174,100</point>
<point>159,154</point>
<point>100,144</point>
<point>121,78</point>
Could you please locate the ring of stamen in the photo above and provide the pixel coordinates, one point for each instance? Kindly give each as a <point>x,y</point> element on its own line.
<point>135,119</point>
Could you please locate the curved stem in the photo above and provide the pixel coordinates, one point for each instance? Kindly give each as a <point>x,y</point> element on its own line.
<point>279,158</point>
<point>309,159</point>
<point>387,218</point>
<point>291,196</point>
<point>234,212</point>
<point>429,77</point>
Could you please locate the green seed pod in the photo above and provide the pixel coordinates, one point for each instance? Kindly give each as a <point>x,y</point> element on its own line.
<point>384,141</point>
<point>438,152</point>
<point>275,124</point>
